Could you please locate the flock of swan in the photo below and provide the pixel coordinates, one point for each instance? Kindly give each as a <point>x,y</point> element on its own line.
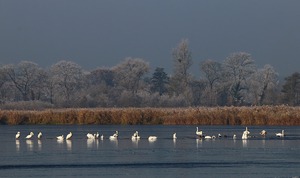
<point>136,136</point>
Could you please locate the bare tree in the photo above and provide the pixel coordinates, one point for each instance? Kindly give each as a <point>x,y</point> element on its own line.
<point>130,72</point>
<point>182,61</point>
<point>238,68</point>
<point>262,81</point>
<point>212,72</point>
<point>291,89</point>
<point>27,77</point>
<point>67,79</point>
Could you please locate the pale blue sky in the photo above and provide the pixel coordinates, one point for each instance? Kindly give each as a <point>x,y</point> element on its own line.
<point>95,33</point>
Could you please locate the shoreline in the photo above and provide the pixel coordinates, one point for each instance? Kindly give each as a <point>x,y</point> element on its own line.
<point>255,115</point>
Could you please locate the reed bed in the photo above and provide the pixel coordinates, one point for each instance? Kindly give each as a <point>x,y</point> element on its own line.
<point>258,115</point>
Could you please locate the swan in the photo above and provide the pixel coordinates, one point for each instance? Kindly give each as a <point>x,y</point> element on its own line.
<point>114,136</point>
<point>60,138</point>
<point>263,133</point>
<point>234,136</point>
<point>219,135</point>
<point>30,135</point>
<point>40,135</point>
<point>246,134</point>
<point>174,136</point>
<point>210,137</point>
<point>97,135</point>
<point>152,138</point>
<point>90,136</point>
<point>135,136</point>
<point>280,134</point>
<point>18,135</point>
<point>199,133</point>
<point>69,136</point>
<point>101,137</point>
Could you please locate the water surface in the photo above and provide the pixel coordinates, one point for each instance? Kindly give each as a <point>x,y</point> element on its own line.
<point>187,156</point>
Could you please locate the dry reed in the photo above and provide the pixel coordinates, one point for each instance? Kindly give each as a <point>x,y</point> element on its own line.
<point>258,115</point>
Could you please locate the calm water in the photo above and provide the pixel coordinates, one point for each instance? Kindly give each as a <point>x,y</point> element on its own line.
<point>185,157</point>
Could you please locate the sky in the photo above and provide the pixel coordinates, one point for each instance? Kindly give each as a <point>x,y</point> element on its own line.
<point>101,33</point>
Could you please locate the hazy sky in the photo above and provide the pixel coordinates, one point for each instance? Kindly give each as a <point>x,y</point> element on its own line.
<point>96,33</point>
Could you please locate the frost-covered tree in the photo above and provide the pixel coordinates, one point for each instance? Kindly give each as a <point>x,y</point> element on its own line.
<point>182,61</point>
<point>130,72</point>
<point>212,74</point>
<point>67,78</point>
<point>238,67</point>
<point>291,89</point>
<point>27,77</point>
<point>262,82</point>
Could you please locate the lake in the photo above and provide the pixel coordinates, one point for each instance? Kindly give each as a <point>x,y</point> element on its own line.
<point>187,156</point>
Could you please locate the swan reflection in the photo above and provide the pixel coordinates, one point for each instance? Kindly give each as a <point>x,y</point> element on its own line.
<point>135,143</point>
<point>198,142</point>
<point>174,142</point>
<point>90,142</point>
<point>40,144</point>
<point>18,145</point>
<point>114,142</point>
<point>69,144</point>
<point>29,144</point>
<point>245,143</point>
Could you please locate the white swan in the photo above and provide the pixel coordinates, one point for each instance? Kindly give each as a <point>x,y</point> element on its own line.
<point>263,133</point>
<point>174,136</point>
<point>69,136</point>
<point>114,136</point>
<point>30,135</point>
<point>152,138</point>
<point>234,136</point>
<point>60,138</point>
<point>246,134</point>
<point>18,135</point>
<point>280,134</point>
<point>97,135</point>
<point>90,136</point>
<point>199,133</point>
<point>209,137</point>
<point>102,137</point>
<point>40,135</point>
<point>135,136</point>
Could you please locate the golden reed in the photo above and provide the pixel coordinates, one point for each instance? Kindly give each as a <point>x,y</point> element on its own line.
<point>257,115</point>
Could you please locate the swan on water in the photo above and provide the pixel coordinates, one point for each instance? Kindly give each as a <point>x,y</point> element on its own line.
<point>97,135</point>
<point>263,133</point>
<point>90,136</point>
<point>114,136</point>
<point>234,136</point>
<point>30,135</point>
<point>219,135</point>
<point>280,134</point>
<point>60,138</point>
<point>102,137</point>
<point>135,136</point>
<point>209,137</point>
<point>40,135</point>
<point>18,135</point>
<point>174,136</point>
<point>246,134</point>
<point>69,136</point>
<point>152,138</point>
<point>199,133</point>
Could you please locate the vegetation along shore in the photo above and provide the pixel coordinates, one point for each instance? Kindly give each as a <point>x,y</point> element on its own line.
<point>256,115</point>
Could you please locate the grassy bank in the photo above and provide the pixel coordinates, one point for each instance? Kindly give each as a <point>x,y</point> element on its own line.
<point>260,115</point>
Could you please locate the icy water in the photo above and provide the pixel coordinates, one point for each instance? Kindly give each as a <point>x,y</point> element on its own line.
<point>186,156</point>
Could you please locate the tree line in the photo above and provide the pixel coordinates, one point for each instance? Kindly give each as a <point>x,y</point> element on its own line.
<point>234,82</point>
